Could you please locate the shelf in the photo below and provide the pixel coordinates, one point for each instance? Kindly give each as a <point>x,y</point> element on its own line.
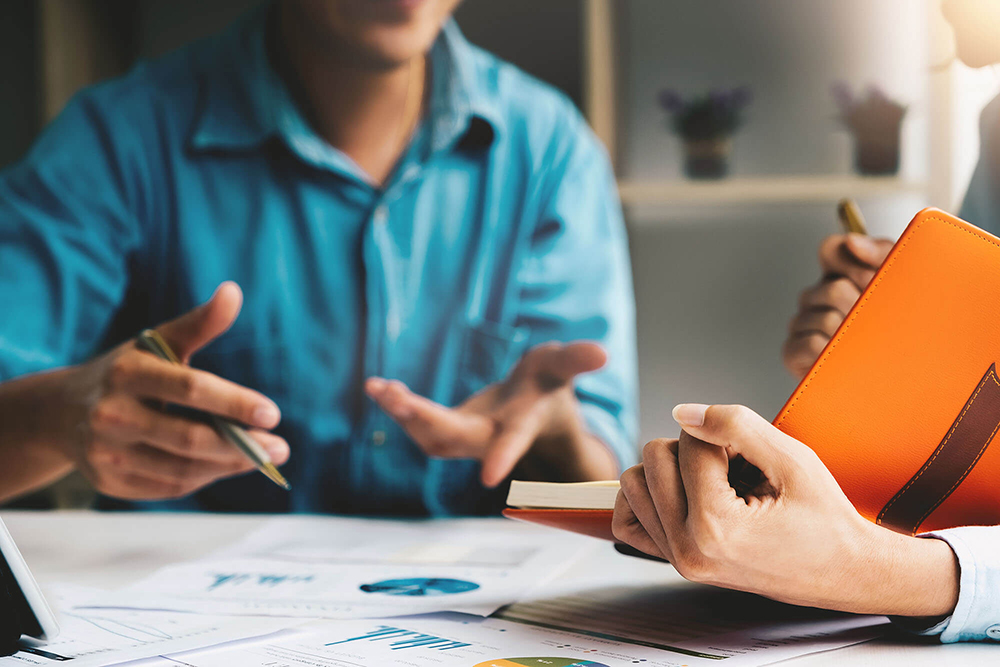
<point>772,189</point>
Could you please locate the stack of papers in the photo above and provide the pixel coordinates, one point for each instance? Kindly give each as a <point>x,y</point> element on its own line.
<point>470,593</point>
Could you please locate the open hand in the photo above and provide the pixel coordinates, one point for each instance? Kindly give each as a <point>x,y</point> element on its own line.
<point>128,447</point>
<point>794,537</point>
<point>849,262</point>
<point>533,411</point>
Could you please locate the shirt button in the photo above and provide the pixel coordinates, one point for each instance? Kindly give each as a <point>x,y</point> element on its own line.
<point>381,214</point>
<point>993,632</point>
<point>378,438</point>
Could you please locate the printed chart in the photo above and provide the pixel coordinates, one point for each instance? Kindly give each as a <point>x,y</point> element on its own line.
<point>420,586</point>
<point>443,640</point>
<point>326,567</point>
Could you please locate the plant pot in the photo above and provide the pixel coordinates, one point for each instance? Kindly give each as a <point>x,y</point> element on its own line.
<point>707,158</point>
<point>876,153</point>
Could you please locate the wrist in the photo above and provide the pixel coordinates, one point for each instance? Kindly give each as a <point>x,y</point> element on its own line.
<point>900,575</point>
<point>35,431</point>
<point>566,449</point>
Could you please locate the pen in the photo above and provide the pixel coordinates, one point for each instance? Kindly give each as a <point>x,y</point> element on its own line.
<point>151,341</point>
<point>850,217</point>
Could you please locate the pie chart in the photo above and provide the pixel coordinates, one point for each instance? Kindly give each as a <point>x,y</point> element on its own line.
<point>420,587</point>
<point>540,662</point>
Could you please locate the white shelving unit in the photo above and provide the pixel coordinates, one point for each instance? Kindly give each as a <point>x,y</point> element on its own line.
<point>601,70</point>
<point>768,189</point>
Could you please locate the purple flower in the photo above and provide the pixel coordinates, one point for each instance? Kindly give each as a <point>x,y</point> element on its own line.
<point>717,113</point>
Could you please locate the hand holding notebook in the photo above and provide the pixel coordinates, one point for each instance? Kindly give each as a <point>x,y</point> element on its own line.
<point>899,408</point>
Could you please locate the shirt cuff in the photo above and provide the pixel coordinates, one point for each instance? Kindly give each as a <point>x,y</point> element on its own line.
<point>977,614</point>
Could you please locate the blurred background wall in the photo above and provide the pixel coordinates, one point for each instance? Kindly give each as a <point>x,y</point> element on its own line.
<point>717,265</point>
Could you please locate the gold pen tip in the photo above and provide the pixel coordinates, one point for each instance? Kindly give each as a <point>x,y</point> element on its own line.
<point>272,473</point>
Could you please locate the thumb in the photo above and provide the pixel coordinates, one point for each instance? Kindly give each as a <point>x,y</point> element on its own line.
<point>198,327</point>
<point>742,431</point>
<point>514,440</point>
<point>867,249</point>
<point>558,364</point>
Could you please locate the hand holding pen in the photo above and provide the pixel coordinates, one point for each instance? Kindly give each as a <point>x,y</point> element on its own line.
<point>128,448</point>
<point>848,262</point>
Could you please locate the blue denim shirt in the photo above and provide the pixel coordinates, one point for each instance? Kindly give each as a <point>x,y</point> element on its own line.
<point>500,229</point>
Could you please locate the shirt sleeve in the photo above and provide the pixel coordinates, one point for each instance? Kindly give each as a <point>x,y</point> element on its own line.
<point>977,613</point>
<point>981,205</point>
<point>65,232</point>
<point>576,284</point>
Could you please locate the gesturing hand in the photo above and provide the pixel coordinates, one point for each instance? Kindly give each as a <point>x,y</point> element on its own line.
<point>129,448</point>
<point>533,411</point>
<point>794,537</point>
<point>849,262</point>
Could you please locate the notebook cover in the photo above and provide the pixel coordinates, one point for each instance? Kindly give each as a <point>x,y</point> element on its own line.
<point>904,403</point>
<point>596,523</point>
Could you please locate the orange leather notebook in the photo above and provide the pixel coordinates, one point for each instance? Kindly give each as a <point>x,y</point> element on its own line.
<point>904,403</point>
<point>596,523</point>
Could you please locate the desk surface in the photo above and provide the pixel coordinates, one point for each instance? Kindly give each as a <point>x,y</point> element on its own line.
<point>113,550</point>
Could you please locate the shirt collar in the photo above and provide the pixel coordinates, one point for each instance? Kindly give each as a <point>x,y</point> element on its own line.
<point>245,102</point>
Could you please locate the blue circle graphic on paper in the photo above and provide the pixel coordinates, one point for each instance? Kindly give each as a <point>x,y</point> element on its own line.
<point>419,587</point>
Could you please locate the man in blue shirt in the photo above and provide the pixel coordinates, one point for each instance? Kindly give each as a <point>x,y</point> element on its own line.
<point>406,215</point>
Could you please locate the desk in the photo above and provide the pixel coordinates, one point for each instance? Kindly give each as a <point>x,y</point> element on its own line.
<point>114,550</point>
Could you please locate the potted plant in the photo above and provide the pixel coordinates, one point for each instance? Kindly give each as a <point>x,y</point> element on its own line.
<point>875,121</point>
<point>706,124</point>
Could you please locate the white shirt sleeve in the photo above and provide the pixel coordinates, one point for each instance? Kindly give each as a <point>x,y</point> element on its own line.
<point>977,613</point>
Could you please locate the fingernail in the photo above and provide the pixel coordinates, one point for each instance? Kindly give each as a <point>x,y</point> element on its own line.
<point>266,415</point>
<point>690,414</point>
<point>375,384</point>
<point>277,452</point>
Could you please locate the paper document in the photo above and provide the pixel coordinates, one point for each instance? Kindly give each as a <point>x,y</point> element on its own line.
<point>699,621</point>
<point>466,641</point>
<point>362,568</point>
<point>108,636</point>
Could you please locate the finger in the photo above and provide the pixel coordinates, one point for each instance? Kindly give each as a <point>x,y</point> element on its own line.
<point>869,251</point>
<point>635,489</point>
<point>198,327</point>
<point>512,441</point>
<point>666,484</point>
<point>839,294</point>
<point>627,529</point>
<point>837,260</point>
<point>440,431</point>
<point>275,446</point>
<point>124,419</point>
<point>156,464</point>
<point>556,364</point>
<point>742,431</point>
<point>705,471</point>
<point>824,321</point>
<point>141,374</point>
<point>129,486</point>
<point>801,351</point>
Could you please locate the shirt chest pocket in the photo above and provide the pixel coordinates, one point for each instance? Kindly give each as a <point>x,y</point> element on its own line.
<point>489,351</point>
